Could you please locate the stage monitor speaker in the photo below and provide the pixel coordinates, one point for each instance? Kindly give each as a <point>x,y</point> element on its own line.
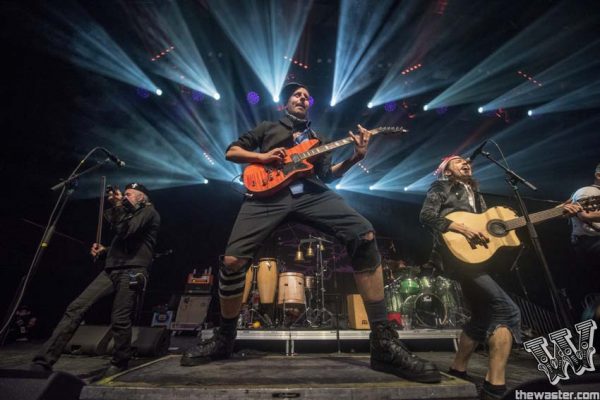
<point>96,340</point>
<point>150,341</point>
<point>357,315</point>
<point>91,340</point>
<point>37,385</point>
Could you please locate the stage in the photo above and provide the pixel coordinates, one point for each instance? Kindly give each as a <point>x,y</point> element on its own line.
<point>260,369</point>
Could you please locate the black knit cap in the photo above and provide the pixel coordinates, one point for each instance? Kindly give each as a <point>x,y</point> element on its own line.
<point>288,90</point>
<point>138,186</point>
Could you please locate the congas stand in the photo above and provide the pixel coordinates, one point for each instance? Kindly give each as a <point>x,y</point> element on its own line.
<point>253,312</point>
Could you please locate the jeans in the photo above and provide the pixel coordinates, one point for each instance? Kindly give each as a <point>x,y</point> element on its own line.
<point>107,282</point>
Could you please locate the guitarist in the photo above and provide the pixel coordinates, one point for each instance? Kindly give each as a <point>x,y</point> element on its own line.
<point>309,201</point>
<point>495,318</point>
<point>585,237</point>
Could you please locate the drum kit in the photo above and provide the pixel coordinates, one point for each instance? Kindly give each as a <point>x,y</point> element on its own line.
<point>300,298</point>
<point>415,299</point>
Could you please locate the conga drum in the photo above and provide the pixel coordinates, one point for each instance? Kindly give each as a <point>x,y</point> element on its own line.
<point>267,279</point>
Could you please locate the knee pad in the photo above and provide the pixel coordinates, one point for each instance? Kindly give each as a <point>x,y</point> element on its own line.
<point>231,283</point>
<point>365,256</point>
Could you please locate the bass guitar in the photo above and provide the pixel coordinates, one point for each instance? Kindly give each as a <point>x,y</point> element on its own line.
<point>263,180</point>
<point>499,223</point>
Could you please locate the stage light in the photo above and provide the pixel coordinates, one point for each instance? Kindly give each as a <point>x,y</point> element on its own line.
<point>217,96</point>
<point>406,188</point>
<point>426,107</point>
<point>480,110</point>
<point>252,98</point>
<point>530,112</point>
<point>205,181</point>
<point>158,92</point>
<point>264,33</point>
<point>143,93</point>
<point>332,103</point>
<point>370,104</point>
<point>197,96</point>
<point>372,187</point>
<point>390,106</point>
<point>338,186</point>
<point>311,101</point>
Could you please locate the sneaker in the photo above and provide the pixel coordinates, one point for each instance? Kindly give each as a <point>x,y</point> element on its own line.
<point>389,354</point>
<point>218,347</point>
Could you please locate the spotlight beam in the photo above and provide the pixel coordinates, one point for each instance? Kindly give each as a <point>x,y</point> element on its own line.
<point>263,36</point>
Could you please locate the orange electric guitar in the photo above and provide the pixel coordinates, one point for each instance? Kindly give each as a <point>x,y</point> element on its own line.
<point>263,180</point>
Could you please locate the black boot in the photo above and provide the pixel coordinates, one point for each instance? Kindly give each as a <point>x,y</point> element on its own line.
<point>388,354</point>
<point>218,347</point>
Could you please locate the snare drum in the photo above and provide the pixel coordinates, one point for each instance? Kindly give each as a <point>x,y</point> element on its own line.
<point>291,288</point>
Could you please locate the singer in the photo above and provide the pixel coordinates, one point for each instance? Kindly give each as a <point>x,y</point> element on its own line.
<point>309,201</point>
<point>135,223</point>
<point>495,318</point>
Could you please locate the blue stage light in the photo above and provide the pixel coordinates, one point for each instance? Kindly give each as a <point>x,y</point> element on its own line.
<point>332,103</point>
<point>252,98</point>
<point>217,96</point>
<point>143,93</point>
<point>530,112</point>
<point>276,99</point>
<point>198,96</point>
<point>158,92</point>
<point>426,107</point>
<point>311,101</point>
<point>480,110</point>
<point>370,104</point>
<point>390,106</point>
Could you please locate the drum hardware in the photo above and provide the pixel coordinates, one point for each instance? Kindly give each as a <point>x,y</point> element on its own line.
<point>318,316</point>
<point>257,295</point>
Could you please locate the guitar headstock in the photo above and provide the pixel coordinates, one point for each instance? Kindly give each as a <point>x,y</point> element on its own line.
<point>389,130</point>
<point>590,203</point>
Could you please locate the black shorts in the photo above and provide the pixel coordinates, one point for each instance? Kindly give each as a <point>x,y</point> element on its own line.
<point>322,209</point>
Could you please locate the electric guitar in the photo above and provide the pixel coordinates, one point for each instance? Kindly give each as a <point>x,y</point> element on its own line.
<point>263,180</point>
<point>499,223</point>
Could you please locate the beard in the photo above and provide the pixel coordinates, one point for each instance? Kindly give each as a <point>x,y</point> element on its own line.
<point>468,180</point>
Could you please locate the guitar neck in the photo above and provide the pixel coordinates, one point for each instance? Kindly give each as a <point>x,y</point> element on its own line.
<point>328,147</point>
<point>535,217</point>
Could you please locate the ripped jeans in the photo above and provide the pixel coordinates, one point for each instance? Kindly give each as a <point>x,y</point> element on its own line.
<point>490,307</point>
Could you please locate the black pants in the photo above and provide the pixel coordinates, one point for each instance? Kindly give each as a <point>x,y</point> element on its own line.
<point>107,282</point>
<point>322,209</point>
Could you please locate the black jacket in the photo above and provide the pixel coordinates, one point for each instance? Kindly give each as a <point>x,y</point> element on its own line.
<point>135,237</point>
<point>271,134</point>
<point>444,197</point>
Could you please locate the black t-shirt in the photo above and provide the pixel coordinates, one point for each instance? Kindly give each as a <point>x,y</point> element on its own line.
<point>272,134</point>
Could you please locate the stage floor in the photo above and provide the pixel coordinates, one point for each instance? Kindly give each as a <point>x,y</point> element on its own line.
<point>271,374</point>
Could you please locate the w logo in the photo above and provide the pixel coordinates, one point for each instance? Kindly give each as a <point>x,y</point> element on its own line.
<point>565,353</point>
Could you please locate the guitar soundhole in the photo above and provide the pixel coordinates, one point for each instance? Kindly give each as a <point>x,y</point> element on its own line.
<point>497,228</point>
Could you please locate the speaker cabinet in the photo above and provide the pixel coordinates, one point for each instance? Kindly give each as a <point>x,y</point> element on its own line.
<point>35,385</point>
<point>92,340</point>
<point>357,315</point>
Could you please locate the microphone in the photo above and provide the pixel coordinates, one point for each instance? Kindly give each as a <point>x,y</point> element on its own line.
<point>477,151</point>
<point>113,158</point>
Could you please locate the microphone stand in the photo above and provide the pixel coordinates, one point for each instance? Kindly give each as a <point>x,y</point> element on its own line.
<point>513,179</point>
<point>67,187</point>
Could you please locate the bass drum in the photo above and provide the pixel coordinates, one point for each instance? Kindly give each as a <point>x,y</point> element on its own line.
<point>426,310</point>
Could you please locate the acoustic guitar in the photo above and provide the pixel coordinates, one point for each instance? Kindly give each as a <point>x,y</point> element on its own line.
<point>263,180</point>
<point>499,223</point>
